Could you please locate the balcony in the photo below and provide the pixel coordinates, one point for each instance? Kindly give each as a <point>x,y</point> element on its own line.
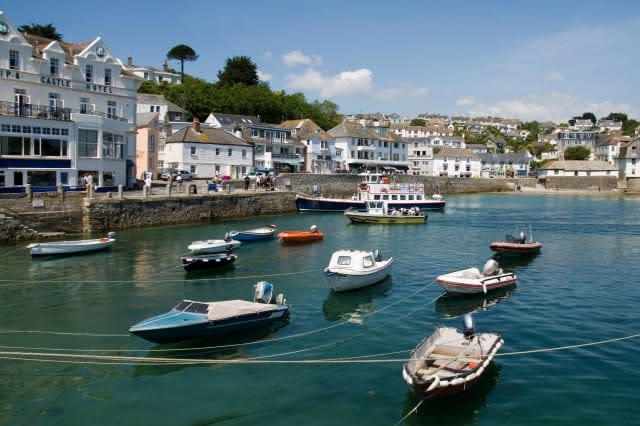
<point>46,112</point>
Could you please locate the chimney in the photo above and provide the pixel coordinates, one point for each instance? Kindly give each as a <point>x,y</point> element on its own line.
<point>196,125</point>
<point>130,60</point>
<point>165,66</point>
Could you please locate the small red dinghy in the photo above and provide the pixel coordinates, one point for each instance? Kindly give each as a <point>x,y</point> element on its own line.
<point>518,244</point>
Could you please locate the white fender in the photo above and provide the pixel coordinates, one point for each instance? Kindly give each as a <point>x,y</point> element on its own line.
<point>434,384</point>
<point>458,381</point>
<point>471,377</point>
<point>479,371</point>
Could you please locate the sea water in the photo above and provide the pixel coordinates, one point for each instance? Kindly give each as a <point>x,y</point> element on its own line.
<point>570,356</point>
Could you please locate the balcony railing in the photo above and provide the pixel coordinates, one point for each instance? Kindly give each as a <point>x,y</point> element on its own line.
<point>48,113</point>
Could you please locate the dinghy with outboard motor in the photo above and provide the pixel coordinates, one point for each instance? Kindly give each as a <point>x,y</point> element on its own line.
<point>472,281</point>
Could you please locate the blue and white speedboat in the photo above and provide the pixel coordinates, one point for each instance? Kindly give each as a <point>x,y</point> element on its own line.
<point>191,319</point>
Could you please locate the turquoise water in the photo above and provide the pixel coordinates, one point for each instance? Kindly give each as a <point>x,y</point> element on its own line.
<point>580,289</point>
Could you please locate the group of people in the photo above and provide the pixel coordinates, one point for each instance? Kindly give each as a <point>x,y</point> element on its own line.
<point>178,180</point>
<point>413,211</point>
<point>267,182</point>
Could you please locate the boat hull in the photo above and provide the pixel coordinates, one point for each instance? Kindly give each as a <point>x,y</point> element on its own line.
<point>300,237</point>
<point>456,283</point>
<point>69,247</point>
<point>363,217</point>
<point>254,234</point>
<point>212,246</point>
<point>320,204</point>
<point>515,248</point>
<point>345,282</point>
<point>207,262</point>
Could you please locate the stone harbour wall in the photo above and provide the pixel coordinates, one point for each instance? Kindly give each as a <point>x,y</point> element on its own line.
<point>580,183</point>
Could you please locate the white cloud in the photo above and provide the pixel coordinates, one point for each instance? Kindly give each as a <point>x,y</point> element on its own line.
<point>465,101</point>
<point>554,106</point>
<point>264,76</point>
<point>267,55</point>
<point>296,57</point>
<point>346,83</point>
<point>554,76</point>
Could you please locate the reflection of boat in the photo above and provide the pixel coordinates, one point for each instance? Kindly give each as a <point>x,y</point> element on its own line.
<point>352,306</point>
<point>213,246</point>
<point>380,212</point>
<point>71,247</point>
<point>451,306</point>
<point>264,233</point>
<point>449,361</point>
<point>471,280</point>
<point>301,236</point>
<point>207,261</point>
<point>191,319</point>
<point>351,269</point>
<point>520,243</point>
<point>374,187</point>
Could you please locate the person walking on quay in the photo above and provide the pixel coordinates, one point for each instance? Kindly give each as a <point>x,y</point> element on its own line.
<point>147,183</point>
<point>247,181</point>
<point>179,182</point>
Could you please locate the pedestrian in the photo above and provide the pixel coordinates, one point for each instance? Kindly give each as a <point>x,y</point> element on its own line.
<point>247,181</point>
<point>179,182</point>
<point>147,183</point>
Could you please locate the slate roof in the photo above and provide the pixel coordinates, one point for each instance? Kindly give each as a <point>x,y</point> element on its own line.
<point>456,152</point>
<point>579,165</point>
<point>354,130</point>
<point>509,157</point>
<point>206,135</point>
<point>233,119</point>
<point>145,119</point>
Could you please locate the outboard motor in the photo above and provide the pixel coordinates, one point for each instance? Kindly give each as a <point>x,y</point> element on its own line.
<point>521,237</point>
<point>490,268</point>
<point>469,326</point>
<point>111,234</point>
<point>263,292</point>
<point>377,255</point>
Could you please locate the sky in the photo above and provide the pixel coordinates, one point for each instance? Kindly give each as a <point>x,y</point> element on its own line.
<point>536,60</point>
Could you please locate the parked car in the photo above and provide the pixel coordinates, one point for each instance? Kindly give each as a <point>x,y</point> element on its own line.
<point>185,175</point>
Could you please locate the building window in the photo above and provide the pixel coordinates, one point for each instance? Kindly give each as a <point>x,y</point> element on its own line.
<point>230,152</point>
<point>88,73</point>
<point>84,105</point>
<point>54,66</point>
<point>217,151</point>
<point>244,153</point>
<point>54,102</point>
<point>14,60</point>
<point>107,77</point>
<point>152,143</point>
<point>111,109</point>
<point>87,143</point>
<point>193,150</point>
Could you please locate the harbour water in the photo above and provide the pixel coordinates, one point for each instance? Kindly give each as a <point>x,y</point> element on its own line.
<point>570,356</point>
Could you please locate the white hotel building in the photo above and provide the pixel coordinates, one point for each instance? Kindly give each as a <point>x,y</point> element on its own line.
<point>65,110</point>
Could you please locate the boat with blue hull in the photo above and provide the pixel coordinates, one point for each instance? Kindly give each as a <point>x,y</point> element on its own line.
<point>373,187</point>
<point>191,319</point>
<point>256,234</point>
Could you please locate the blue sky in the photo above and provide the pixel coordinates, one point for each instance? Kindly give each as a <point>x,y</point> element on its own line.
<point>536,60</point>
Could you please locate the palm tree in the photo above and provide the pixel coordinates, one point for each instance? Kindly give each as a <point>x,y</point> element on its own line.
<point>46,31</point>
<point>182,52</point>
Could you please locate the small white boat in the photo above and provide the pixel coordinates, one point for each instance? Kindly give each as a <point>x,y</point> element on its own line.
<point>71,247</point>
<point>472,281</point>
<point>379,212</point>
<point>257,234</point>
<point>213,246</point>
<point>449,361</point>
<point>351,269</point>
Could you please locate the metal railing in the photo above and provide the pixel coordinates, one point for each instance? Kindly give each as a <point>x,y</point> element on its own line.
<point>47,112</point>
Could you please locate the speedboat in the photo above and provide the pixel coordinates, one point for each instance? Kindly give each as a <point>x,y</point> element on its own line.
<point>301,236</point>
<point>264,233</point>
<point>207,261</point>
<point>192,319</point>
<point>213,246</point>
<point>520,243</point>
<point>373,187</point>
<point>450,361</point>
<point>71,247</point>
<point>471,280</point>
<point>351,269</point>
<point>379,212</point>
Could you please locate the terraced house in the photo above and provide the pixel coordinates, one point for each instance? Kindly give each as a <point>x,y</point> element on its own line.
<point>66,110</point>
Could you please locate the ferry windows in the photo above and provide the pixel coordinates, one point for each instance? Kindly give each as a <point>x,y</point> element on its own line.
<point>88,73</point>
<point>87,143</point>
<point>54,66</point>
<point>14,60</point>
<point>107,77</point>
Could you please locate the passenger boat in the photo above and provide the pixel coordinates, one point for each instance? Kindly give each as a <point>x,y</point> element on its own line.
<point>71,247</point>
<point>207,261</point>
<point>301,236</point>
<point>449,361</point>
<point>521,243</point>
<point>192,319</point>
<point>213,246</point>
<point>373,187</point>
<point>472,281</point>
<point>263,233</point>
<point>380,212</point>
<point>351,269</point>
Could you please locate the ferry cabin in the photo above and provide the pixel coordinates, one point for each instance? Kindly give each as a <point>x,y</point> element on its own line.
<point>66,110</point>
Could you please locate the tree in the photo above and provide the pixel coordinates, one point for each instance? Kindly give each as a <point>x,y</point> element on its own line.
<point>239,69</point>
<point>46,31</point>
<point>589,116</point>
<point>182,53</point>
<point>576,153</point>
<point>418,122</point>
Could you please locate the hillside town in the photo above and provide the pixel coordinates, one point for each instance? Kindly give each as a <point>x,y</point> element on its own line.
<point>69,111</point>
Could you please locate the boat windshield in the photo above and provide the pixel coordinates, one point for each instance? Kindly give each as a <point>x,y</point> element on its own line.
<point>344,260</point>
<point>367,261</point>
<point>193,307</point>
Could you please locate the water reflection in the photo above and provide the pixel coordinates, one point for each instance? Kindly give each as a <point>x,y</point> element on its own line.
<point>452,306</point>
<point>459,409</point>
<point>353,305</point>
<point>510,260</point>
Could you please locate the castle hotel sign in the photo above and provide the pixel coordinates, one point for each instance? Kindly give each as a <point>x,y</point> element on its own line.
<point>60,82</point>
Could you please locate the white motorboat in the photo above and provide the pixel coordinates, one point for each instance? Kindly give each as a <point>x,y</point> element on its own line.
<point>213,246</point>
<point>71,247</point>
<point>472,281</point>
<point>351,269</point>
